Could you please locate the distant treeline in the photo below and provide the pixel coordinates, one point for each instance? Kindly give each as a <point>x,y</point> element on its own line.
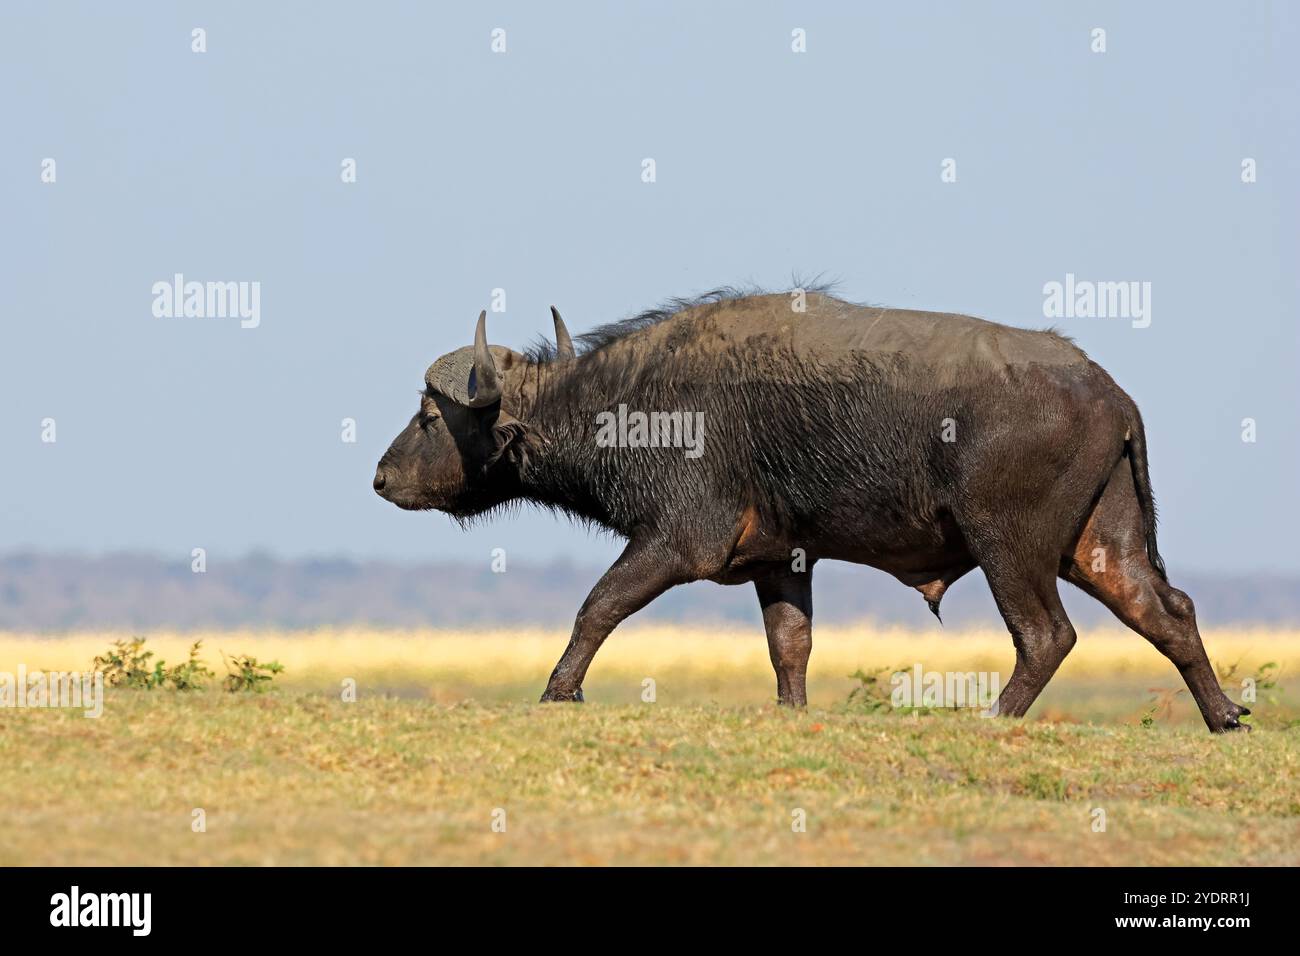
<point>133,591</point>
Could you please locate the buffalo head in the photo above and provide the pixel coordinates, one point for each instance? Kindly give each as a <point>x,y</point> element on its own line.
<point>463,450</point>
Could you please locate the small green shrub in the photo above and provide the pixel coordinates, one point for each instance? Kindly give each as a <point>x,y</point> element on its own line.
<point>1162,705</point>
<point>873,693</point>
<point>193,674</point>
<point>128,664</point>
<point>1265,680</point>
<point>244,673</point>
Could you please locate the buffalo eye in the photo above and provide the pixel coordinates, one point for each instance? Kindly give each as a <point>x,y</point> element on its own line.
<point>428,412</point>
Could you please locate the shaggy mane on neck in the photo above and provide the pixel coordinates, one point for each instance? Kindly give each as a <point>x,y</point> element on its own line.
<point>542,352</point>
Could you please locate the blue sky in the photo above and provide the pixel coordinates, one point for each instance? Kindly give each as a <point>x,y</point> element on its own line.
<point>522,171</point>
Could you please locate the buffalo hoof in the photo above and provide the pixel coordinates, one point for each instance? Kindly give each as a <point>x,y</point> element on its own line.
<point>562,696</point>
<point>1229,721</point>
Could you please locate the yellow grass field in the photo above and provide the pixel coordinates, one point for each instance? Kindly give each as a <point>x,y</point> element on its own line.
<point>1111,675</point>
<point>445,739</point>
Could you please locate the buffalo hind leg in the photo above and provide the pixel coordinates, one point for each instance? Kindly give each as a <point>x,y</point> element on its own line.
<point>1042,634</point>
<point>1110,562</point>
<point>642,572</point>
<point>786,600</point>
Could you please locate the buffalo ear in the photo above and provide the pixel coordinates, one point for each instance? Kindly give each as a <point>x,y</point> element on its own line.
<point>514,441</point>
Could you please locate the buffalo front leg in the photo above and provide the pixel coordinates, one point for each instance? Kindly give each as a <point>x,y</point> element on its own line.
<point>786,600</point>
<point>641,573</point>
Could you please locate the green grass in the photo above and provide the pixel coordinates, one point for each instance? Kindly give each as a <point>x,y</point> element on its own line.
<point>296,776</point>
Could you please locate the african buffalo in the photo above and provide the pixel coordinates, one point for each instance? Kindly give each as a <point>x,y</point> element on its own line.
<point>918,443</point>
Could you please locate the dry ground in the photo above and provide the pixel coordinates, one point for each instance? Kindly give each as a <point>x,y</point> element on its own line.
<point>444,739</point>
